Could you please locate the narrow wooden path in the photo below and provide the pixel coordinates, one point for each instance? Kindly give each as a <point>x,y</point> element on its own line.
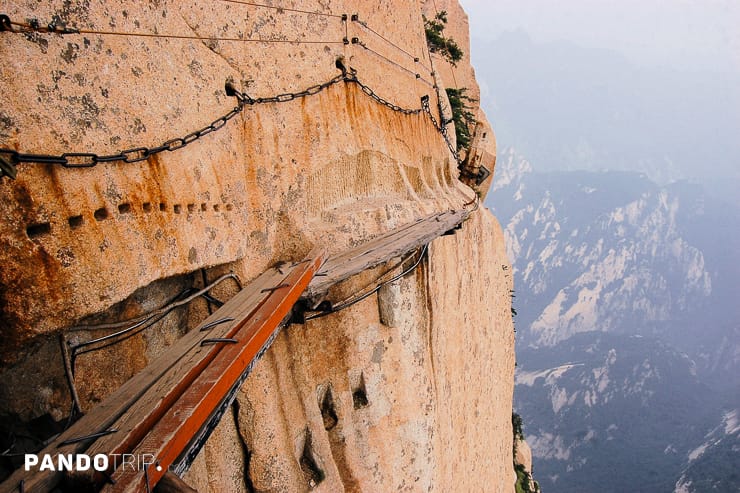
<point>168,410</point>
<point>393,244</point>
<point>167,386</point>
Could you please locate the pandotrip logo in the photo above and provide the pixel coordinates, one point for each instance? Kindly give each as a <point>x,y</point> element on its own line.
<point>84,462</point>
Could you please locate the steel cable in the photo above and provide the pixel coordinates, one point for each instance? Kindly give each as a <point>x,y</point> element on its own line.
<point>359,42</point>
<point>283,9</point>
<point>357,298</point>
<point>416,59</point>
<point>56,29</point>
<point>166,308</point>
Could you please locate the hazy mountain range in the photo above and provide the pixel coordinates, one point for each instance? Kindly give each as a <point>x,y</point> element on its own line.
<point>617,190</point>
<point>627,328</point>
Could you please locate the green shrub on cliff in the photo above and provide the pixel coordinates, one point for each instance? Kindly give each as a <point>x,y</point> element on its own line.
<point>461,114</point>
<point>524,480</point>
<point>516,427</point>
<point>438,43</point>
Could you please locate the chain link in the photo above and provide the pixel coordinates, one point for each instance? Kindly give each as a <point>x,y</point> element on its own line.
<point>290,96</point>
<point>368,91</point>
<point>10,158</point>
<point>442,129</point>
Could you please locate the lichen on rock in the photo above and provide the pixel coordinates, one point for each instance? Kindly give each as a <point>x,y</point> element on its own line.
<point>420,389</point>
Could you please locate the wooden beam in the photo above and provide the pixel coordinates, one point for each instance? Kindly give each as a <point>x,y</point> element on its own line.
<point>161,394</point>
<point>172,483</point>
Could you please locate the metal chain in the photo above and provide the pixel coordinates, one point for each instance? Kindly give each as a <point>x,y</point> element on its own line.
<point>442,129</point>
<point>352,77</point>
<point>10,158</point>
<point>290,96</point>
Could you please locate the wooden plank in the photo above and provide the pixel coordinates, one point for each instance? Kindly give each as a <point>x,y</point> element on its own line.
<point>384,240</point>
<point>161,394</point>
<point>105,414</point>
<point>381,249</point>
<point>379,241</point>
<point>172,434</point>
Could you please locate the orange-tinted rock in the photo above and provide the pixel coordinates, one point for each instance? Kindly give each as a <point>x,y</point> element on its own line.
<point>422,403</point>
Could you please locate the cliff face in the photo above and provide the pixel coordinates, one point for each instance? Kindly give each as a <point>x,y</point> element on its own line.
<point>415,383</point>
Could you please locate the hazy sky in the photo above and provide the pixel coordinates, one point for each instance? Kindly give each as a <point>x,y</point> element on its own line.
<point>689,34</point>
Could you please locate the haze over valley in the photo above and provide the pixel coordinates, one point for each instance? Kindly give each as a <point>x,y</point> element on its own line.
<point>616,185</point>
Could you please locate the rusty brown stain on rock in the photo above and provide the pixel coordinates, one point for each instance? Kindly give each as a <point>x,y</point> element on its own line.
<point>22,207</point>
<point>267,187</point>
<point>193,255</point>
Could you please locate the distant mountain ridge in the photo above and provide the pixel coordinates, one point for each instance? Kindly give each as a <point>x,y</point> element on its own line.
<point>712,466</point>
<point>611,412</point>
<point>627,331</point>
<point>613,251</point>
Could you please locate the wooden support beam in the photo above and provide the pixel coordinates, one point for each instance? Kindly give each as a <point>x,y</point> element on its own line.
<point>161,394</point>
<point>172,483</point>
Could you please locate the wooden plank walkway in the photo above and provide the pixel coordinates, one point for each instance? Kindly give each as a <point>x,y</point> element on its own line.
<point>141,402</point>
<point>168,410</point>
<point>172,434</point>
<point>381,249</point>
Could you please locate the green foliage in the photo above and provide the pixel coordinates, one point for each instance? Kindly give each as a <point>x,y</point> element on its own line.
<point>449,49</point>
<point>438,43</point>
<point>516,425</point>
<point>523,477</point>
<point>520,480</point>
<point>461,115</point>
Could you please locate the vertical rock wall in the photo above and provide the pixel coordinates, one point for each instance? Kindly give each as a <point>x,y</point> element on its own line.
<point>419,391</point>
<point>415,395</point>
<point>473,347</point>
